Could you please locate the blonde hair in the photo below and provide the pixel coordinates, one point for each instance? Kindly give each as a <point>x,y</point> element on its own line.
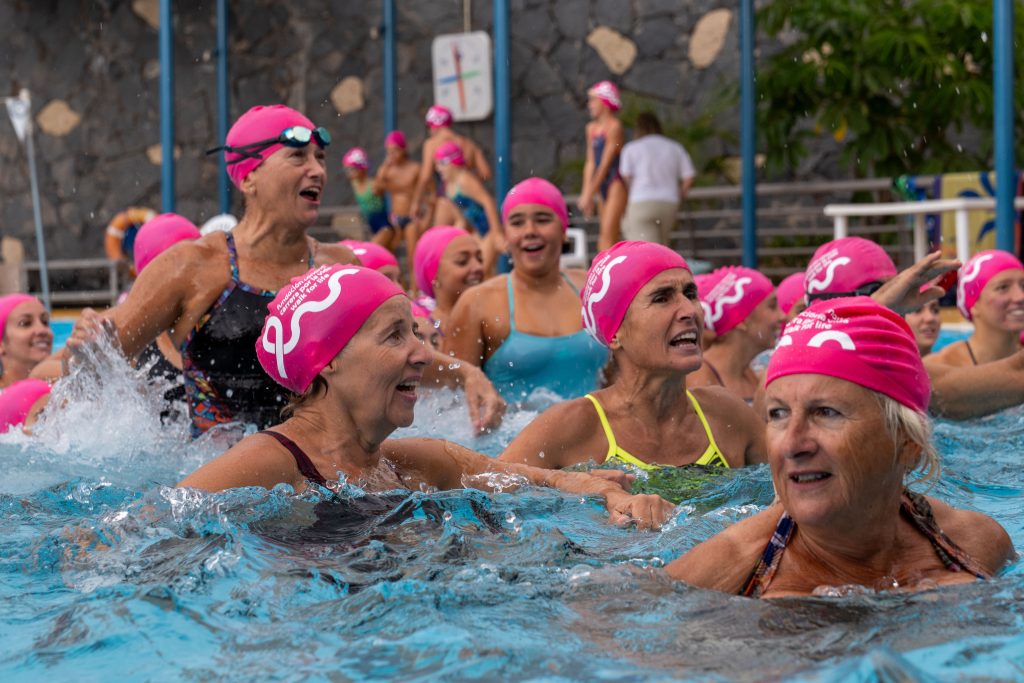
<point>903,422</point>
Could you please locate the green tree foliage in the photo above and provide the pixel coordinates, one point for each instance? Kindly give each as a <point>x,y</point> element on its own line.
<point>892,81</point>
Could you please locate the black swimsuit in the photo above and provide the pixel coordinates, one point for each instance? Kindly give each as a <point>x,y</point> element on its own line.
<point>223,377</point>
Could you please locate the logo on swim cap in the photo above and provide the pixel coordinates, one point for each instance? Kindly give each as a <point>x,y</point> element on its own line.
<point>296,301</point>
<point>829,263</point>
<point>602,270</point>
<point>809,321</point>
<point>726,293</point>
<point>972,271</point>
<point>356,158</point>
<point>438,116</point>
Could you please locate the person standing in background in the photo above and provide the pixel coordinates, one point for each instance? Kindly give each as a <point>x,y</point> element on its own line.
<point>658,172</point>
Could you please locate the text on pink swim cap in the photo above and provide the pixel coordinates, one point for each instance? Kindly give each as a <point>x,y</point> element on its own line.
<point>857,340</point>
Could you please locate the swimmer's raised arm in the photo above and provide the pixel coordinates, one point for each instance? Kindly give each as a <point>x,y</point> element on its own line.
<point>479,162</point>
<point>962,393</point>
<point>903,293</point>
<point>447,465</point>
<point>486,407</point>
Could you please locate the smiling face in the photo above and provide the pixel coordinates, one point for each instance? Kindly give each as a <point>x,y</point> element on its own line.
<point>535,237</point>
<point>663,324</point>
<point>765,322</point>
<point>833,461</point>
<point>27,338</point>
<point>461,267</point>
<point>1001,303</point>
<point>288,186</point>
<point>378,373</point>
<point>926,324</point>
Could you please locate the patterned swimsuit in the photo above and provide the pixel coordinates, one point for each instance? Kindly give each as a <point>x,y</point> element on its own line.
<point>224,381</point>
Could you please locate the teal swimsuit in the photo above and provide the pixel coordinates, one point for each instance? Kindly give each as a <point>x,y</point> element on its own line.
<point>567,365</point>
<point>372,207</point>
<point>472,210</point>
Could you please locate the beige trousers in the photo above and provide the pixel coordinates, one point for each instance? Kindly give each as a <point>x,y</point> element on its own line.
<point>649,221</point>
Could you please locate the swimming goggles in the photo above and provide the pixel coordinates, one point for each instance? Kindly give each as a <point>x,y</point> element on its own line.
<point>864,290</point>
<point>295,136</point>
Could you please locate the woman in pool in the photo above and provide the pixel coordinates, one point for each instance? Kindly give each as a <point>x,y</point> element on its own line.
<point>369,196</point>
<point>342,339</point>
<point>212,294</point>
<point>846,397</point>
<point>447,262</point>
<point>525,328</point>
<point>475,204</point>
<point>26,339</point>
<point>983,374</point>
<point>605,138</point>
<point>640,300</point>
<point>851,266</point>
<point>926,324</point>
<point>742,311</point>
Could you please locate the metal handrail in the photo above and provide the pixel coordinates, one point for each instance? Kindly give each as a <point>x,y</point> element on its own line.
<point>959,206</point>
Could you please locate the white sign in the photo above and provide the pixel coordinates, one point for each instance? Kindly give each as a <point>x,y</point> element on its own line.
<point>462,74</point>
<point>20,109</point>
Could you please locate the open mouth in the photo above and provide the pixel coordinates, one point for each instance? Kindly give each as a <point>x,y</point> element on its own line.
<point>311,193</point>
<point>532,248</point>
<point>684,339</point>
<point>474,279</point>
<point>809,477</point>
<point>408,387</point>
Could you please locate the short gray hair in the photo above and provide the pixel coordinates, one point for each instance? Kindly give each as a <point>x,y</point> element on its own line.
<point>904,422</point>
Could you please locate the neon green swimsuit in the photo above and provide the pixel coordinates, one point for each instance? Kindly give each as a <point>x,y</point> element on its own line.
<point>712,456</point>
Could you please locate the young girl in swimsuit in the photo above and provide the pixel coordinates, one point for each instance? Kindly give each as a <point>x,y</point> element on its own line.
<point>741,309</point>
<point>447,262</point>
<point>477,212</point>
<point>525,328</point>
<point>605,138</point>
<point>846,401</point>
<point>641,301</point>
<point>369,194</point>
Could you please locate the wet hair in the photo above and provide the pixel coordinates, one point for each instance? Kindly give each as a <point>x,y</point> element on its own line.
<point>317,388</point>
<point>647,123</point>
<point>903,422</point>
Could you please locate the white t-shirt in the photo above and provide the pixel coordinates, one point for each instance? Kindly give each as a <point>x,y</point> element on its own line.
<point>654,165</point>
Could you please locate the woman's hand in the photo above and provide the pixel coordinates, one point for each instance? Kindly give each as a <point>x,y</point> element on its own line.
<point>910,289</point>
<point>88,328</point>
<point>623,479</point>
<point>647,511</point>
<point>586,204</point>
<point>486,406</point>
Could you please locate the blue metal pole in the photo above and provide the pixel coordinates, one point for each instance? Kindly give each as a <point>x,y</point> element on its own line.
<point>1006,172</point>
<point>167,105</point>
<point>748,132</point>
<point>502,101</point>
<point>223,105</point>
<point>390,71</point>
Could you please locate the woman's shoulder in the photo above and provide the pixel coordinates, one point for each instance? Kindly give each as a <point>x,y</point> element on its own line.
<point>980,536</point>
<point>725,561</point>
<point>954,355</point>
<point>717,401</point>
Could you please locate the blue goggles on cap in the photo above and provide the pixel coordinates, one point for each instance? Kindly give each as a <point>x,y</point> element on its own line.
<point>295,136</point>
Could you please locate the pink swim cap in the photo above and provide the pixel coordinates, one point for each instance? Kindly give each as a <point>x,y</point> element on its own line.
<point>790,291</point>
<point>17,400</point>
<point>259,123</point>
<point>159,234</point>
<point>731,294</point>
<point>607,296</point>
<point>607,93</point>
<point>7,305</point>
<point>396,138</point>
<point>427,256</point>
<point>843,265</point>
<point>371,254</point>
<point>355,158</point>
<point>439,116</point>
<point>450,153</point>
<point>857,340</point>
<point>976,273</point>
<point>419,311</point>
<point>311,320</point>
<point>536,191</point>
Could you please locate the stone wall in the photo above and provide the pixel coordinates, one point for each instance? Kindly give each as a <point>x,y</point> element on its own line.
<point>93,70</point>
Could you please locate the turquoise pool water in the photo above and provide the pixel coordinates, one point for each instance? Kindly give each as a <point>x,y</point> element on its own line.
<point>461,585</point>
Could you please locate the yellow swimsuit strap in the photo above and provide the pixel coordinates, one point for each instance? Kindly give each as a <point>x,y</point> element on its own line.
<point>713,455</point>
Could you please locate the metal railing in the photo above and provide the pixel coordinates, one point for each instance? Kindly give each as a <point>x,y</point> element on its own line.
<point>106,295</point>
<point>918,210</point>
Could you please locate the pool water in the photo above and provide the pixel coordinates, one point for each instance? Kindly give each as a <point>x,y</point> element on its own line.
<point>106,572</point>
